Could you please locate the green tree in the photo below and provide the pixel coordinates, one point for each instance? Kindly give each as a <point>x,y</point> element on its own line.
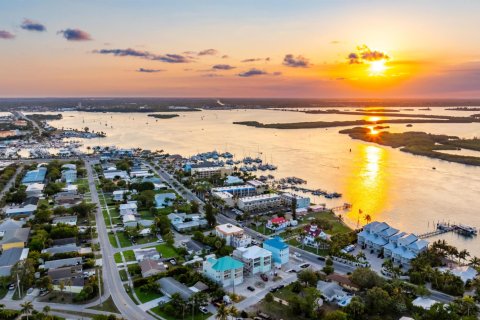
<point>356,308</point>
<point>336,315</point>
<point>378,301</point>
<point>27,308</point>
<point>210,215</point>
<point>269,298</point>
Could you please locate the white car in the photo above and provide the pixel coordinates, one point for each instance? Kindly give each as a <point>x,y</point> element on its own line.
<point>203,309</point>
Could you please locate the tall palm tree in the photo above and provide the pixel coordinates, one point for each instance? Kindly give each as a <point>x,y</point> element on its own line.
<point>368,218</point>
<point>475,262</point>
<point>233,311</point>
<point>222,312</point>
<point>27,308</point>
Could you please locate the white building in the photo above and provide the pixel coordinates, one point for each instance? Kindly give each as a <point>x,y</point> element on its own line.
<point>35,190</point>
<point>259,186</point>
<point>240,191</point>
<point>128,208</point>
<point>208,172</point>
<point>118,195</point>
<point>233,235</point>
<point>129,220</point>
<point>226,197</point>
<point>255,259</point>
<point>260,202</point>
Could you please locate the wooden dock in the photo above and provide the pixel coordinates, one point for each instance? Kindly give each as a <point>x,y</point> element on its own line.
<point>444,228</point>
<point>343,207</point>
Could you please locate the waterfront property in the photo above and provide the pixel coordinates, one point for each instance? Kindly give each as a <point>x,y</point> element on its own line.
<point>232,180</point>
<point>277,224</point>
<point>302,202</point>
<point>259,186</point>
<point>400,247</point>
<point>234,236</point>
<point>312,233</point>
<point>183,222</point>
<point>163,200</point>
<point>227,198</point>
<point>279,249</point>
<point>208,172</point>
<point>260,202</point>
<point>34,176</point>
<point>255,259</point>
<point>226,271</point>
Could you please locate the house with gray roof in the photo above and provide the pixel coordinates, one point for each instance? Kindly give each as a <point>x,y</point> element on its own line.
<point>169,286</point>
<point>9,258</point>
<point>59,263</point>
<point>14,238</point>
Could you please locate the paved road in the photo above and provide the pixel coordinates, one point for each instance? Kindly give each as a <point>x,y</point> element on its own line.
<point>111,278</point>
<point>11,181</point>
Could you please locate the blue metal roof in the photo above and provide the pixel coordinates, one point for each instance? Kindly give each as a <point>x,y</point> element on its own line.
<point>35,175</point>
<point>276,242</point>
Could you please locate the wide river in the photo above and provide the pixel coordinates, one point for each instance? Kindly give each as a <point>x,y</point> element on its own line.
<point>389,185</point>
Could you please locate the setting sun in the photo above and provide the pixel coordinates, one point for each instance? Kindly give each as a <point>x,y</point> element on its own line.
<point>377,67</point>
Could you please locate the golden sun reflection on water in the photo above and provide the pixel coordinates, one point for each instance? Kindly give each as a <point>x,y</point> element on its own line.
<point>367,186</point>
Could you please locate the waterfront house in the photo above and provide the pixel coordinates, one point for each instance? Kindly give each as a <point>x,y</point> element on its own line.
<point>226,271</point>
<point>34,176</point>
<point>260,187</point>
<point>163,200</point>
<point>279,249</point>
<point>400,247</point>
<point>128,208</point>
<point>234,236</point>
<point>255,259</point>
<point>14,238</point>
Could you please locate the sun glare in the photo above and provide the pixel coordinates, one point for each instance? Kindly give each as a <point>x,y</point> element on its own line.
<point>377,67</point>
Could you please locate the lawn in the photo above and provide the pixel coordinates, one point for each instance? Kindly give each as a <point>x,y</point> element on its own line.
<point>166,250</point>
<point>118,257</point>
<point>338,226</point>
<point>124,240</point>
<point>145,296</point>
<point>147,239</point>
<point>106,217</point>
<point>107,305</point>
<point>129,255</point>
<point>146,214</point>
<point>123,275</point>
<point>296,243</point>
<point>112,239</point>
<point>129,292</point>
<point>198,315</point>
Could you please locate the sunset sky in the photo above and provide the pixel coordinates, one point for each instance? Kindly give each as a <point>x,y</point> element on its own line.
<point>321,49</point>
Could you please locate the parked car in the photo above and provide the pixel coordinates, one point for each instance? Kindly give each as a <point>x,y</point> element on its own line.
<point>304,265</point>
<point>264,277</point>
<point>203,310</point>
<point>12,286</point>
<point>251,288</point>
<point>321,258</point>
<point>172,261</point>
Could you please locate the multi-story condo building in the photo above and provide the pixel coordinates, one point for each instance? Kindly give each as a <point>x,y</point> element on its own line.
<point>233,235</point>
<point>255,259</point>
<point>260,202</point>
<point>302,202</point>
<point>226,271</point>
<point>208,172</point>
<point>238,191</point>
<point>279,249</point>
<point>400,247</point>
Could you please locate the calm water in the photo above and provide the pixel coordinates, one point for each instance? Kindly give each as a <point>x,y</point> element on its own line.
<point>392,186</point>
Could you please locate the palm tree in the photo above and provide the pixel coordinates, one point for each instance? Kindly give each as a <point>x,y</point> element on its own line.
<point>475,262</point>
<point>462,255</point>
<point>368,218</point>
<point>46,310</point>
<point>233,311</point>
<point>222,312</point>
<point>61,286</point>
<point>27,308</point>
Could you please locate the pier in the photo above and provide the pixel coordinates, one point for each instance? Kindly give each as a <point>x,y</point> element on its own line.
<point>343,207</point>
<point>446,227</point>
